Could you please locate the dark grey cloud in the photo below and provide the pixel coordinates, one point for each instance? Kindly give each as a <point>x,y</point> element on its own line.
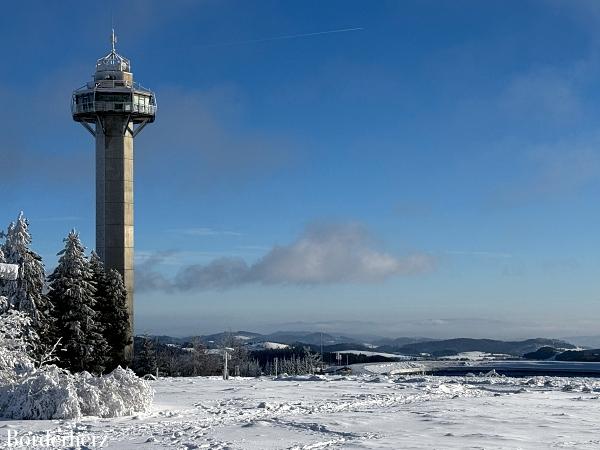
<point>146,275</point>
<point>323,254</point>
<point>222,273</point>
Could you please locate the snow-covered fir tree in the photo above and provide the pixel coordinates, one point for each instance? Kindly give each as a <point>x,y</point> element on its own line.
<point>3,299</point>
<point>26,293</point>
<point>112,312</point>
<point>72,291</point>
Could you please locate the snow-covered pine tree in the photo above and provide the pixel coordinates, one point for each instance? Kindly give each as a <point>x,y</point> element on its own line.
<point>98,276</point>
<point>26,294</point>
<point>4,305</point>
<point>71,293</point>
<point>112,311</point>
<point>3,299</point>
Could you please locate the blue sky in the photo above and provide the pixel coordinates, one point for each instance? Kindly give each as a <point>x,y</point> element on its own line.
<point>434,171</point>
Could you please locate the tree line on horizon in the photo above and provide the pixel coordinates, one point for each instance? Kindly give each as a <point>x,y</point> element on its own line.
<point>78,311</point>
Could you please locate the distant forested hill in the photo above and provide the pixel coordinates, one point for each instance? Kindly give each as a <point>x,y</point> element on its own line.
<point>459,345</point>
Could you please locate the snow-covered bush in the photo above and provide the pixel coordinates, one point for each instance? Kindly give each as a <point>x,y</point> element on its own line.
<point>54,393</point>
<point>16,341</point>
<point>49,392</point>
<point>120,393</point>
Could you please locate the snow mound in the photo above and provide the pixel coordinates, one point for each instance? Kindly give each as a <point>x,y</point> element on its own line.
<point>49,392</point>
<point>121,393</point>
<point>54,393</point>
<point>302,378</point>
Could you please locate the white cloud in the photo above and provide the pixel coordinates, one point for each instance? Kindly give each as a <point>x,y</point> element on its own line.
<point>331,254</point>
<point>323,254</point>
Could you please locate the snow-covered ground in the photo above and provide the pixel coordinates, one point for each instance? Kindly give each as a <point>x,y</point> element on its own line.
<point>476,356</point>
<point>370,353</point>
<point>268,346</point>
<point>389,368</point>
<point>360,411</point>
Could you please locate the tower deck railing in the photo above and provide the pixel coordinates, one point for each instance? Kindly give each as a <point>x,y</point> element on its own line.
<point>113,84</point>
<point>91,107</point>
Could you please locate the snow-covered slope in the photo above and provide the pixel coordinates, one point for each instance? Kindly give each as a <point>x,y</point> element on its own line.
<point>371,411</point>
<point>374,353</point>
<point>268,346</point>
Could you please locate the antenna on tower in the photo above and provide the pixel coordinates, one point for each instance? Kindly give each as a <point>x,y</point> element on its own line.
<point>113,40</point>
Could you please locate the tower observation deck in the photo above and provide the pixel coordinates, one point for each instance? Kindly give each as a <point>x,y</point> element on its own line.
<point>114,109</point>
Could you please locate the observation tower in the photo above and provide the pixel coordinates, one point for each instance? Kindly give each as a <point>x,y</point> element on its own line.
<point>114,109</point>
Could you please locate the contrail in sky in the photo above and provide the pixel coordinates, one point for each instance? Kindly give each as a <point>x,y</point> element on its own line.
<point>286,36</point>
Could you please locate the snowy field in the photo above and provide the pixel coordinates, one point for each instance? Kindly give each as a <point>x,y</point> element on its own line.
<point>373,353</point>
<point>371,411</point>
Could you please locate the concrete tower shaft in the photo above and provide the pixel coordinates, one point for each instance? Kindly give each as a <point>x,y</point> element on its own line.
<point>114,201</point>
<point>114,109</point>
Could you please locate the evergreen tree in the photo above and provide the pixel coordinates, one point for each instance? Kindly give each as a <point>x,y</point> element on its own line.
<point>98,276</point>
<point>111,308</point>
<point>3,300</point>
<point>118,315</point>
<point>146,357</point>
<point>26,293</point>
<point>72,292</point>
<point>2,260</point>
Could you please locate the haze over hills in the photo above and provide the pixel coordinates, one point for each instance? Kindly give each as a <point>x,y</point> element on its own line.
<point>401,341</point>
<point>460,345</point>
<point>402,346</point>
<point>282,337</point>
<point>584,341</point>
